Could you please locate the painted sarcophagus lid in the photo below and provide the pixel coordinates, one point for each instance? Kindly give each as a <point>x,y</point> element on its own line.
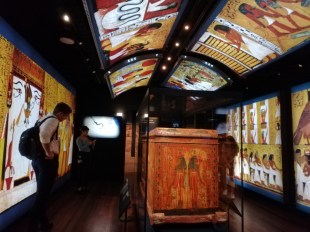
<point>183,132</point>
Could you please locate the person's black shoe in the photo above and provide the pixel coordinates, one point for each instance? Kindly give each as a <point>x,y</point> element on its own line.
<point>46,226</point>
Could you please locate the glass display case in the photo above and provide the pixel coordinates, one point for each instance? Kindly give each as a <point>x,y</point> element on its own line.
<point>186,162</point>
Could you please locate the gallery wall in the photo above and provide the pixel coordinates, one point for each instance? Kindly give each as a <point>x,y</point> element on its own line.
<point>30,88</point>
<point>256,126</point>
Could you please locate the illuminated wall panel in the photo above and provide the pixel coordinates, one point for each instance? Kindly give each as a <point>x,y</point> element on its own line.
<point>260,133</point>
<point>27,93</point>
<point>301,143</point>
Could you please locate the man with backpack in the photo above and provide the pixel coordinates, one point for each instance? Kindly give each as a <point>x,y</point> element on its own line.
<point>45,166</point>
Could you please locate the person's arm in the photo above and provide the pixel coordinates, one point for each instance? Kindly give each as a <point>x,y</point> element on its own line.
<point>252,17</point>
<point>48,153</point>
<point>47,129</point>
<point>81,144</point>
<point>235,38</point>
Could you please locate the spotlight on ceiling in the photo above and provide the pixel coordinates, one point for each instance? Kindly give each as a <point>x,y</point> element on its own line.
<point>66,18</point>
<point>119,114</point>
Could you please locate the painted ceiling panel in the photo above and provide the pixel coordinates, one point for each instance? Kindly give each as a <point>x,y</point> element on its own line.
<point>127,27</point>
<point>246,34</point>
<point>194,74</point>
<point>135,74</point>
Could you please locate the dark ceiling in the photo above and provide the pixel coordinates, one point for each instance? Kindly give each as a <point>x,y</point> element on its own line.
<point>39,22</point>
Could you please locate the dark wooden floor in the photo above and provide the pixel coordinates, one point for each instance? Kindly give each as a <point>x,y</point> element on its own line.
<point>97,211</point>
<point>93,211</point>
<point>265,215</point>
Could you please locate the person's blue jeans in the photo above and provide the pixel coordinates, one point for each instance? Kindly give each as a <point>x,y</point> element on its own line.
<point>46,173</point>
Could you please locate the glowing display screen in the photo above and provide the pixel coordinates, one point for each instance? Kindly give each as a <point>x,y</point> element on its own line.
<point>191,75</point>
<point>102,127</point>
<point>133,75</point>
<point>126,27</point>
<point>247,34</point>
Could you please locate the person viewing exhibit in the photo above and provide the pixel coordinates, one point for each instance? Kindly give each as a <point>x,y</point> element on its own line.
<point>46,166</point>
<point>85,146</point>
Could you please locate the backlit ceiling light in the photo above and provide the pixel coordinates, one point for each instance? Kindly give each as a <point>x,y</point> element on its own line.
<point>186,27</point>
<point>66,18</point>
<point>164,67</point>
<point>120,114</point>
<point>177,44</point>
<point>66,40</point>
<point>300,65</point>
<point>131,59</point>
<point>169,58</point>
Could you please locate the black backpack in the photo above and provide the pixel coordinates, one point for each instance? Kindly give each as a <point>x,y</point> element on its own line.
<point>29,143</point>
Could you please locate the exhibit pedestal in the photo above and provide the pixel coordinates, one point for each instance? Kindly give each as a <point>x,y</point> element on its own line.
<point>182,176</point>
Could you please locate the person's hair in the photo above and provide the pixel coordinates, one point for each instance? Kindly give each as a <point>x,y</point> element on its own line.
<point>222,28</point>
<point>308,159</point>
<point>154,25</point>
<point>264,156</point>
<point>271,157</point>
<point>84,128</point>
<point>63,108</point>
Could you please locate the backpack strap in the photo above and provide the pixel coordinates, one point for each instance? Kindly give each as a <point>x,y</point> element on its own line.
<point>39,123</point>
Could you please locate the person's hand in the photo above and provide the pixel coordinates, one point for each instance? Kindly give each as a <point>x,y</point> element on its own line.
<point>49,155</point>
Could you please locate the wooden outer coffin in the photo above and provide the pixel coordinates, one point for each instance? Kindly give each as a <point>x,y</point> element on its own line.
<point>182,179</point>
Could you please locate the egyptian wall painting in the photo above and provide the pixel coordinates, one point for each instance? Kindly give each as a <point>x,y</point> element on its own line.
<point>27,93</point>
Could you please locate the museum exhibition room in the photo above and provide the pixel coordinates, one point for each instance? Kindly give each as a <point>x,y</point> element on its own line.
<point>197,114</point>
